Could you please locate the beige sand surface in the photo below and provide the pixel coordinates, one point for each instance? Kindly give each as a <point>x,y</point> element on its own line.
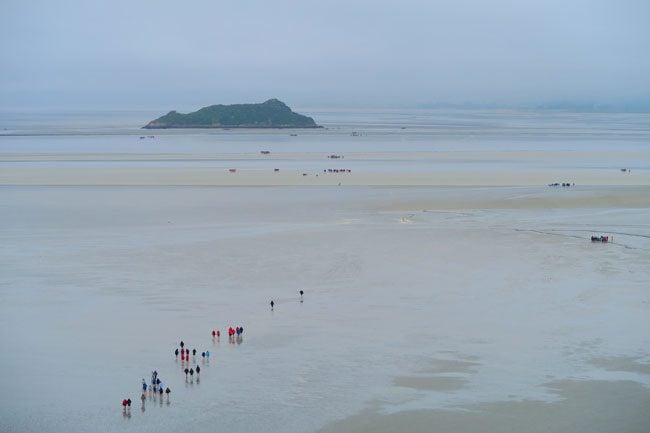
<point>459,317</point>
<point>445,156</point>
<point>623,363</point>
<point>431,383</point>
<point>522,198</point>
<point>442,168</point>
<point>582,407</point>
<point>222,177</point>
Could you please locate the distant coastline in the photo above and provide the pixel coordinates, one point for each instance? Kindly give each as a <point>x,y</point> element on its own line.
<point>560,106</point>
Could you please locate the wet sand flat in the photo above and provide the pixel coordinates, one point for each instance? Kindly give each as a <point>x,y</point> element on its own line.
<point>585,407</point>
<point>409,302</point>
<point>221,176</point>
<point>447,287</point>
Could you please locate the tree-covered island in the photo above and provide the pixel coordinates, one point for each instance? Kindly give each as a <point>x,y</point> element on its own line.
<point>270,114</point>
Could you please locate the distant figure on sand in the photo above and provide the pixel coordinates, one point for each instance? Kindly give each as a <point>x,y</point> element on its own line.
<point>272,304</point>
<point>191,372</point>
<point>193,352</point>
<point>301,293</point>
<point>182,344</point>
<point>168,391</point>
<point>214,333</point>
<point>176,353</point>
<point>186,371</point>
<point>198,370</point>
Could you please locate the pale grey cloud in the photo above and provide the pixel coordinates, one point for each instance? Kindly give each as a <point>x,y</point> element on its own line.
<point>182,54</point>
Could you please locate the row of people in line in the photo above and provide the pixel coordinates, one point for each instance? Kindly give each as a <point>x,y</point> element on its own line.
<point>156,386</point>
<point>185,354</point>
<point>239,330</point>
<point>191,371</point>
<point>153,391</point>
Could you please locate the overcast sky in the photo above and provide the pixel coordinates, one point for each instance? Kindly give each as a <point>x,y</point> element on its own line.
<point>163,54</point>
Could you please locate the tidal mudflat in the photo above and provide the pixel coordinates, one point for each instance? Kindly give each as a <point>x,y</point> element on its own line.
<point>428,306</point>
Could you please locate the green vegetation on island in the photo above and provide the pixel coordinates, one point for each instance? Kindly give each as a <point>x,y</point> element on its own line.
<point>269,114</point>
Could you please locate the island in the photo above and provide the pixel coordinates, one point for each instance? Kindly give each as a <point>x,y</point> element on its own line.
<point>270,114</point>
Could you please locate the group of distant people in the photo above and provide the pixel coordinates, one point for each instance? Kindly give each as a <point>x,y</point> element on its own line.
<point>235,331</point>
<point>235,334</point>
<point>337,170</point>
<point>156,387</point>
<point>191,372</point>
<point>185,353</point>
<point>185,356</point>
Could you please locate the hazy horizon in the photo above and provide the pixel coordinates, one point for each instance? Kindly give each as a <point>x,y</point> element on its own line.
<point>118,55</point>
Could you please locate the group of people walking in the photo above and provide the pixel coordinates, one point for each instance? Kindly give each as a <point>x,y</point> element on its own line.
<point>154,388</point>
<point>191,372</point>
<point>239,330</point>
<point>185,353</point>
<point>157,388</point>
<point>185,359</point>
